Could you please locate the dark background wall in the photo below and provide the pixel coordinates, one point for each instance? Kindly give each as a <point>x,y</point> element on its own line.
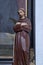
<point>8,8</point>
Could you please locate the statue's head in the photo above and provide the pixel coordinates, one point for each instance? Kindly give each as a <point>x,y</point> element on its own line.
<point>21,12</point>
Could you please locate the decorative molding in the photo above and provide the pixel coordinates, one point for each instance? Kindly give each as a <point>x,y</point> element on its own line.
<point>26,6</point>
<point>22,4</point>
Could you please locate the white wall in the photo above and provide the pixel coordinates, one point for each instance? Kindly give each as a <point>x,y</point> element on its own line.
<point>39,31</point>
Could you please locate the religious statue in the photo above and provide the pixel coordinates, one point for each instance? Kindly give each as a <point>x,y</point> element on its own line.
<point>22,39</point>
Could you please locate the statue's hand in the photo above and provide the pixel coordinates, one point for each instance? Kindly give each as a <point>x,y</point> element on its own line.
<point>18,23</point>
<point>23,24</point>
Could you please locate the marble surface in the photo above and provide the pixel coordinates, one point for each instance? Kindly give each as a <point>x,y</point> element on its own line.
<point>39,31</point>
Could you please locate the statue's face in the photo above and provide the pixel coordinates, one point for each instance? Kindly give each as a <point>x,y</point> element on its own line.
<point>21,13</point>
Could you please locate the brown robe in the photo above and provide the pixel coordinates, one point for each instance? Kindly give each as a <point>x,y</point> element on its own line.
<point>22,42</point>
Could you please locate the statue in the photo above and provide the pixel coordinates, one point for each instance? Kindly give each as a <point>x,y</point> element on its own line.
<point>22,39</point>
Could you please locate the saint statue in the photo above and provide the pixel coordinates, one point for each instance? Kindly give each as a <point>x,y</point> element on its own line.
<point>22,39</point>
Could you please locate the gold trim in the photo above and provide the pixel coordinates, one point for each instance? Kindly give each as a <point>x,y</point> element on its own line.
<point>8,57</point>
<point>26,6</point>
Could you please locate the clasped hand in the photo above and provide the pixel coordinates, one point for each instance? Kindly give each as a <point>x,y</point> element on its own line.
<point>22,24</point>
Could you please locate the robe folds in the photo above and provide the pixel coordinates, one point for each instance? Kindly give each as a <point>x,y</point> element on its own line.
<point>22,42</point>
